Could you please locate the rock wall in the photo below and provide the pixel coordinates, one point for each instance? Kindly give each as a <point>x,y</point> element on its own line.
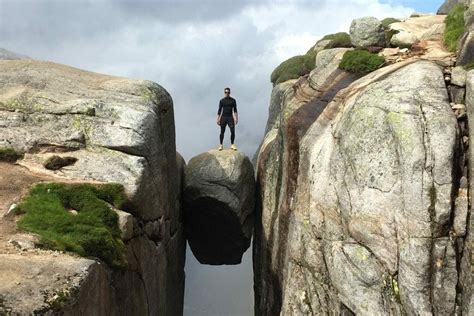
<point>119,130</point>
<point>362,199</point>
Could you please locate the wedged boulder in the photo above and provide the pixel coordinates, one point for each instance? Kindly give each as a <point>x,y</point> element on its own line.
<point>366,32</point>
<point>219,201</point>
<point>415,29</point>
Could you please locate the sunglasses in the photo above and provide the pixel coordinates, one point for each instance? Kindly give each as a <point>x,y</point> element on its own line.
<point>226,91</point>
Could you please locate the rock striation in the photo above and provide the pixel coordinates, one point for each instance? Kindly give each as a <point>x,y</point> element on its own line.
<point>112,130</point>
<point>362,182</point>
<point>219,202</point>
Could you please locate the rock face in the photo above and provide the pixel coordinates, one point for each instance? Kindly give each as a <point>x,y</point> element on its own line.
<point>118,130</point>
<point>417,29</point>
<point>466,43</point>
<point>467,262</point>
<point>357,200</point>
<point>366,32</point>
<point>448,5</point>
<point>219,197</point>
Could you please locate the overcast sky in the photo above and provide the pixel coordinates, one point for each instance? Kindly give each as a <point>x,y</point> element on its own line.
<point>193,49</point>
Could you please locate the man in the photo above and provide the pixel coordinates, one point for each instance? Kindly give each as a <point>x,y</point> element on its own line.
<point>227,115</point>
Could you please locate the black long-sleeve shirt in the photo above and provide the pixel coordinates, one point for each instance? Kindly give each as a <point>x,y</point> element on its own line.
<point>227,106</point>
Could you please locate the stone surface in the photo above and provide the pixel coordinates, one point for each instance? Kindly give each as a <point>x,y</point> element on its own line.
<point>458,76</point>
<point>416,29</point>
<point>367,31</point>
<point>219,197</point>
<point>49,285</point>
<point>467,262</point>
<point>117,130</point>
<point>126,224</point>
<point>362,222</point>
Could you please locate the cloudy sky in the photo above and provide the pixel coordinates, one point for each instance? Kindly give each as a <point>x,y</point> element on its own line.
<point>193,49</point>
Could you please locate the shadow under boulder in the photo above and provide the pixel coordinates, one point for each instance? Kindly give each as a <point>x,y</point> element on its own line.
<point>219,201</point>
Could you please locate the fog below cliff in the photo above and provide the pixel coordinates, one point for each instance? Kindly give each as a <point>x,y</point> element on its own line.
<point>218,290</point>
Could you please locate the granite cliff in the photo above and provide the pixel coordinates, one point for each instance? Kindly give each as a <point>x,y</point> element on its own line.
<point>95,129</point>
<point>363,180</point>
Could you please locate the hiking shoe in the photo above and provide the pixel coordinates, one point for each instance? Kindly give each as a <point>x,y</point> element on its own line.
<point>233,147</point>
<point>221,147</point>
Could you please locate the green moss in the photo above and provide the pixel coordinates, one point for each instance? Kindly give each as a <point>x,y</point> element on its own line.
<point>454,27</point>
<point>387,21</point>
<point>9,154</point>
<point>361,61</point>
<point>92,232</point>
<point>293,68</point>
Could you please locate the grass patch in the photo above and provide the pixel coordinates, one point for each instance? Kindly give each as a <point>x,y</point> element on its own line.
<point>361,61</point>
<point>9,154</point>
<point>454,27</point>
<point>92,232</point>
<point>387,21</point>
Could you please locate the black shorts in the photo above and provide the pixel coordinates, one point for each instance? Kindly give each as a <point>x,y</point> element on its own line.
<point>226,120</point>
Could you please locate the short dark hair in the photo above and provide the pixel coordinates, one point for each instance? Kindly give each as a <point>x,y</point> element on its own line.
<point>227,89</point>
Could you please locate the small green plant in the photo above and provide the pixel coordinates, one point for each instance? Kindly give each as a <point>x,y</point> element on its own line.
<point>454,27</point>
<point>361,61</point>
<point>293,68</point>
<point>9,154</point>
<point>91,231</point>
<point>387,21</point>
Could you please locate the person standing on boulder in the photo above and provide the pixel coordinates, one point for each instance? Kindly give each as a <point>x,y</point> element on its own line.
<point>227,115</point>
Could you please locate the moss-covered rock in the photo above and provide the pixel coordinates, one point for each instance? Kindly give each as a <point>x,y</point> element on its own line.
<point>361,61</point>
<point>454,27</point>
<point>293,68</point>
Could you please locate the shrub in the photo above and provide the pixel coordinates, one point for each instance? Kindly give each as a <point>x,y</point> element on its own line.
<point>387,21</point>
<point>293,68</point>
<point>361,61</point>
<point>92,232</point>
<point>9,154</point>
<point>454,27</point>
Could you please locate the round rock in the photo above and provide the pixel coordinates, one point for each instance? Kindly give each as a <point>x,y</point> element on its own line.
<point>366,32</point>
<point>219,201</point>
